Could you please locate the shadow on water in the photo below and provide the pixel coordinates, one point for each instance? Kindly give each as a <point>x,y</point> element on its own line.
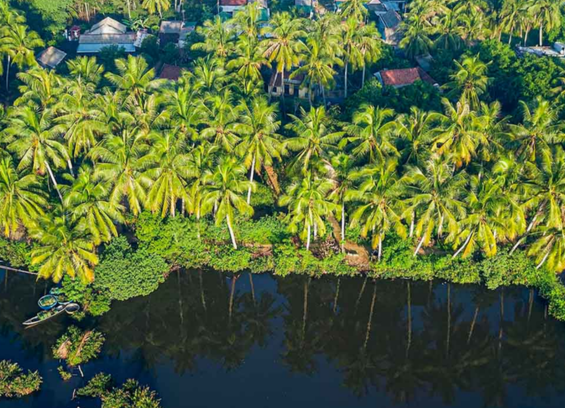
<point>206,339</point>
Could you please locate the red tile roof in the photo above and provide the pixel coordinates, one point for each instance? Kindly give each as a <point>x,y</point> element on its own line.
<point>402,77</point>
<point>233,2</point>
<point>170,72</point>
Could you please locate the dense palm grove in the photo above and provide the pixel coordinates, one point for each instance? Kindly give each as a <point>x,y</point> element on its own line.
<point>87,152</point>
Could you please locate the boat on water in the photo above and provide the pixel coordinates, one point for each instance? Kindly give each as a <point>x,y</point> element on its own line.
<point>47,302</point>
<point>45,315</point>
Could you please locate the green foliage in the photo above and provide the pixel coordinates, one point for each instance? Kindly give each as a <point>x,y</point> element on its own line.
<point>263,196</point>
<point>92,299</point>
<point>125,273</point>
<point>538,76</point>
<point>65,375</point>
<point>16,253</point>
<point>129,395</point>
<point>54,13</point>
<point>77,346</point>
<point>14,383</point>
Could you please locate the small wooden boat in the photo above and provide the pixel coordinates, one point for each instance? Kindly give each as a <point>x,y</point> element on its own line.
<point>45,315</point>
<point>47,302</point>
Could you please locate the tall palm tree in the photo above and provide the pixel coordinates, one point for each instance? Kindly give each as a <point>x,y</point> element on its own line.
<point>134,79</point>
<point>167,172</point>
<point>449,30</point>
<point>416,134</point>
<point>248,62</point>
<point>40,89</point>
<point>509,18</point>
<point>351,53</point>
<point>223,194</point>
<point>372,133</point>
<point>369,45</point>
<point>260,144</point>
<point>434,192</point>
<point>35,142</point>
<point>18,44</point>
<point>209,75</point>
<point>90,207</point>
<point>220,120</point>
<point>548,15</point>
<point>282,43</point>
<point>21,199</point>
<point>380,205</point>
<point>158,6</point>
<point>87,69</point>
<point>538,131</point>
<point>308,206</point>
<point>218,38</point>
<point>469,81</point>
<point>354,9</point>
<point>317,68</point>
<point>200,162</point>
<point>62,249</point>
<point>416,39</point>
<point>184,104</point>
<point>457,135</point>
<point>342,174</point>
<point>313,139</point>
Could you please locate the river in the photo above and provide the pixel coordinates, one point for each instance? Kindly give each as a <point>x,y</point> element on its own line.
<point>205,339</point>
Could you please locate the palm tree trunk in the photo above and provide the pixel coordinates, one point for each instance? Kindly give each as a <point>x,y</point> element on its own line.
<point>343,227</point>
<point>472,328</point>
<point>202,297</point>
<point>232,235</point>
<point>7,73</point>
<point>544,259</point>
<point>368,330</point>
<point>419,245</point>
<point>305,314</point>
<point>252,288</point>
<point>345,80</point>
<point>463,246</point>
<point>173,205</point>
<point>232,292</point>
<point>129,9</point>
<point>54,181</point>
<point>70,164</point>
<point>541,33</point>
<point>380,248</point>
<point>336,294</point>
<point>251,179</point>
<point>308,239</point>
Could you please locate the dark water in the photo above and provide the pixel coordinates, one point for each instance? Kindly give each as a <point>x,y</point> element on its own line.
<point>287,343</point>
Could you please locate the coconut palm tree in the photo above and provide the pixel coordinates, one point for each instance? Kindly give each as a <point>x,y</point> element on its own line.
<point>134,79</point>
<point>220,120</point>
<point>22,200</point>
<point>457,135</point>
<point>308,206</point>
<point>167,171</point>
<point>40,89</point>
<point>158,6</point>
<point>449,30</point>
<point>509,18</point>
<point>90,207</point>
<point>469,81</point>
<point>223,191</point>
<point>369,45</point>
<point>282,43</point>
<point>380,205</point>
<point>548,15</point>
<point>434,192</point>
<point>342,175</point>
<point>209,75</point>
<point>416,39</point>
<point>354,9</point>
<point>62,249</point>
<point>538,131</point>
<point>416,134</point>
<point>201,160</point>
<point>350,44</point>
<point>35,142</point>
<point>86,69</point>
<point>18,44</point>
<point>260,144</point>
<point>248,62</point>
<point>313,139</point>
<point>371,133</point>
<point>317,68</point>
<point>218,38</point>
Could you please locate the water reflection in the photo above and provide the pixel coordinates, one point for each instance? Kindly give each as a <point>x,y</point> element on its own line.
<point>391,342</point>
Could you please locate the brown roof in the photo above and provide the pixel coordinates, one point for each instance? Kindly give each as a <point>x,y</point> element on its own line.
<point>170,72</point>
<point>402,77</point>
<point>51,57</point>
<point>171,27</point>
<point>233,2</point>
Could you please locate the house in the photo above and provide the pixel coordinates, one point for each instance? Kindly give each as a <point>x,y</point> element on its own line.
<point>399,78</point>
<point>175,32</point>
<point>229,7</point>
<point>396,5</point>
<point>306,6</point>
<point>51,57</point>
<point>388,24</point>
<point>376,7</point>
<point>290,86</point>
<point>170,72</point>
<point>107,32</point>
<point>557,51</point>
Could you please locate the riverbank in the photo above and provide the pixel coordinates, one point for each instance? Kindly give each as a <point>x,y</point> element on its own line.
<point>138,265</point>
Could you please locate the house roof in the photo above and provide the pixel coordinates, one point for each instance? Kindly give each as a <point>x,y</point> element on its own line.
<point>108,24</point>
<point>276,79</point>
<point>390,19</point>
<point>170,72</point>
<point>171,27</point>
<point>303,3</point>
<point>233,2</point>
<point>107,39</point>
<point>51,57</point>
<point>403,77</point>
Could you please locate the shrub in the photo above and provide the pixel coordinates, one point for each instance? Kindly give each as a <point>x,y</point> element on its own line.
<point>14,383</point>
<point>125,273</point>
<point>129,395</point>
<point>92,299</point>
<point>78,347</point>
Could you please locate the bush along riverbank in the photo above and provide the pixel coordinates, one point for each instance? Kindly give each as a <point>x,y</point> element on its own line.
<point>136,267</point>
